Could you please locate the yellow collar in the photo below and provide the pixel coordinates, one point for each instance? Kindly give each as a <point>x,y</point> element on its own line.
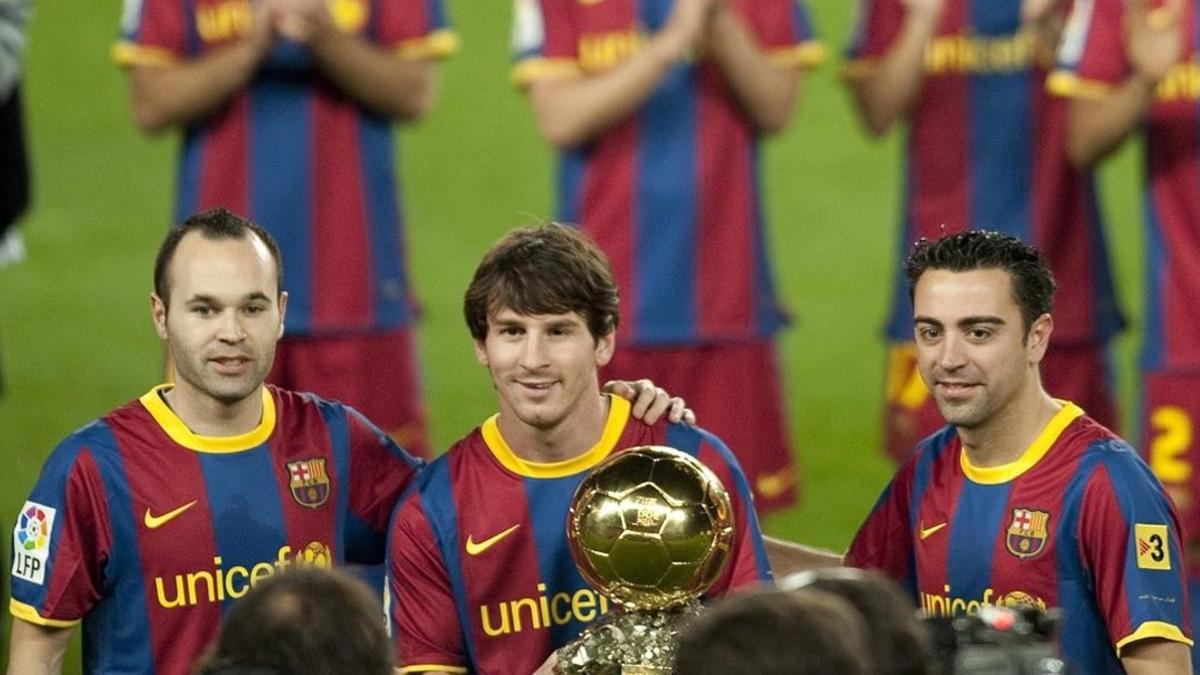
<point>179,432</point>
<point>994,475</point>
<point>618,415</point>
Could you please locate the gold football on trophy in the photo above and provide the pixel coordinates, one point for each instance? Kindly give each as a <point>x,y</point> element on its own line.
<point>650,527</point>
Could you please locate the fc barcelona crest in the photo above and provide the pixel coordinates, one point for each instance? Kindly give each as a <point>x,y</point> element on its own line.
<point>309,482</point>
<point>1028,533</point>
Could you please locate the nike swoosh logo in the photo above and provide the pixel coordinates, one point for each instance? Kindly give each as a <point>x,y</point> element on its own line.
<point>154,522</point>
<point>474,548</point>
<point>772,485</point>
<point>927,532</point>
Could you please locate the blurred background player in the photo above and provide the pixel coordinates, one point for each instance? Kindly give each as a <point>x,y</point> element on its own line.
<point>985,149</point>
<point>14,164</point>
<point>305,621</point>
<point>1023,499</point>
<point>657,108</point>
<point>145,524</point>
<point>480,575</point>
<point>286,108</point>
<point>1134,65</point>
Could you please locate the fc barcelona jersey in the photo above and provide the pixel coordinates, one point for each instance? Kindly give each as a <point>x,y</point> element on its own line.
<point>1092,59</point>
<point>293,153</point>
<point>480,575</point>
<point>146,532</point>
<point>671,194</point>
<point>1077,522</point>
<point>986,151</point>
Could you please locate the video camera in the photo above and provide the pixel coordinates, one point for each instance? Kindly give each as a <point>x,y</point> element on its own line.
<point>998,641</point>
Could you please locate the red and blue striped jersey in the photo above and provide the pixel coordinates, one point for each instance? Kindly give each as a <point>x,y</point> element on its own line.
<point>296,155</point>
<point>480,574</point>
<point>986,150</point>
<point>1077,522</point>
<point>147,532</point>
<point>671,193</point>
<point>1092,58</point>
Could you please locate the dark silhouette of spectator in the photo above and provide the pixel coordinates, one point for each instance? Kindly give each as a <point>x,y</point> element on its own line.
<point>307,620</point>
<point>771,632</point>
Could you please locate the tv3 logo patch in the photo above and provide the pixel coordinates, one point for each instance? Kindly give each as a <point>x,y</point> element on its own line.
<point>31,542</point>
<point>1153,549</point>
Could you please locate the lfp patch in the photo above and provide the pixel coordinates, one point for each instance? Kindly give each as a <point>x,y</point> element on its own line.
<point>31,542</point>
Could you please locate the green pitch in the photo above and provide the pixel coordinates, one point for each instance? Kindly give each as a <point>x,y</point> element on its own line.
<point>75,331</point>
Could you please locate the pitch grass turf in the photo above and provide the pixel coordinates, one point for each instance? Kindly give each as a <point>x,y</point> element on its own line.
<point>74,321</point>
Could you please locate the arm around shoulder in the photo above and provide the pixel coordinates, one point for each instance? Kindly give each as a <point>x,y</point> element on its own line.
<point>1156,656</point>
<point>37,650</point>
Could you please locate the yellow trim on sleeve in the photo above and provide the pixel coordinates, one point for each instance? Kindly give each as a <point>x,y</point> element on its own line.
<point>437,45</point>
<point>618,415</point>
<point>431,667</point>
<point>26,612</point>
<point>1154,629</point>
<point>127,54</point>
<point>1069,85</point>
<point>857,69</point>
<point>153,402</point>
<point>805,55</point>
<point>994,475</point>
<point>534,68</point>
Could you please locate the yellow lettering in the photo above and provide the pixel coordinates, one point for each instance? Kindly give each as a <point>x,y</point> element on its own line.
<point>583,605</point>
<point>982,55</point>
<point>260,571</point>
<point>179,600</point>
<point>283,557</point>
<point>563,618</point>
<point>1172,441</point>
<point>237,592</point>
<point>534,619</point>
<point>194,577</point>
<point>487,625</point>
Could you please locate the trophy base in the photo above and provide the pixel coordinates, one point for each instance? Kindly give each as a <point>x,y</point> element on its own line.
<point>635,642</point>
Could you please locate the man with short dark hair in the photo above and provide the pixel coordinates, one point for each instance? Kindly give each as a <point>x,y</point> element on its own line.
<point>305,621</point>
<point>480,575</point>
<point>1023,499</point>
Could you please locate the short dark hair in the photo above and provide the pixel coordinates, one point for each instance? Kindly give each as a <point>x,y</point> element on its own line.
<point>1032,282</point>
<point>305,620</point>
<point>546,269</point>
<point>214,224</point>
<point>900,644</point>
<point>771,632</point>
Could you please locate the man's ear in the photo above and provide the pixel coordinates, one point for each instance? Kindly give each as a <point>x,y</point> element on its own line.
<point>1039,337</point>
<point>606,345</point>
<point>158,312</point>
<point>283,298</point>
<point>481,354</point>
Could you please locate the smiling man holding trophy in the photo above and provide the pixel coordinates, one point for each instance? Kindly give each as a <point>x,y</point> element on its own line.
<point>481,575</point>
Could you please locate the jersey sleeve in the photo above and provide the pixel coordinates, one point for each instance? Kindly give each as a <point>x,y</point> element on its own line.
<point>785,30</point>
<point>1091,55</point>
<point>545,40</point>
<point>61,540</point>
<point>422,616</point>
<point>380,471</point>
<point>876,25</point>
<point>153,32</point>
<point>416,29</point>
<point>1129,540</point>
<point>748,563</point>
<point>884,540</point>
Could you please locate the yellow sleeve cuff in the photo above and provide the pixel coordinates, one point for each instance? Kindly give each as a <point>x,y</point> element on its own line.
<point>536,68</point>
<point>1069,85</point>
<point>126,54</point>
<point>437,45</point>
<point>431,667</point>
<point>26,612</point>
<point>1154,629</point>
<point>803,55</point>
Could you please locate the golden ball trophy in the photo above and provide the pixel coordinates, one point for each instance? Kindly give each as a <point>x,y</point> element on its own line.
<point>651,528</point>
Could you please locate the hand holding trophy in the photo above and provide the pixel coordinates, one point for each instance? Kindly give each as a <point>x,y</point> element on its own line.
<point>651,528</point>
